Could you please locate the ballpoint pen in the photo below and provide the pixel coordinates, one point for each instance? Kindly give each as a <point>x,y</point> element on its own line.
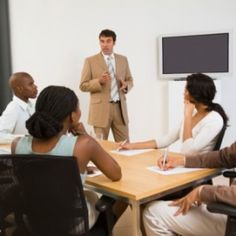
<point>165,156</point>
<point>120,146</point>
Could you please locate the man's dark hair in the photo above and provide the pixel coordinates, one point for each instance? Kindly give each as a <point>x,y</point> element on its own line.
<point>108,33</point>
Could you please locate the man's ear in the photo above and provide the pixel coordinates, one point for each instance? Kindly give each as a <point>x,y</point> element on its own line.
<point>18,90</point>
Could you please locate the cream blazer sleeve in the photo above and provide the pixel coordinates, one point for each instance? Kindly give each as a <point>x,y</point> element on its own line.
<point>204,134</point>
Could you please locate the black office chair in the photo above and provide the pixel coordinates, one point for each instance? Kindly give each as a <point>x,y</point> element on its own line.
<point>217,147</point>
<point>222,208</point>
<point>220,138</point>
<point>6,182</point>
<point>52,197</point>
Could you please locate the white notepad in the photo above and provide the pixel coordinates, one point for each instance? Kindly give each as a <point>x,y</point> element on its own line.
<point>8,138</point>
<point>96,172</point>
<point>177,170</point>
<point>131,152</point>
<point>5,151</point>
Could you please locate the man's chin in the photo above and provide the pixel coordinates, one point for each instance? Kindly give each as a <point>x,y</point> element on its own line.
<point>107,52</point>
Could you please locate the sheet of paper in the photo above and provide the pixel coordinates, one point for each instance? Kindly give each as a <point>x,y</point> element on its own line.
<point>96,172</point>
<point>8,138</point>
<point>90,163</point>
<point>177,170</point>
<point>131,152</point>
<point>5,141</point>
<point>5,151</point>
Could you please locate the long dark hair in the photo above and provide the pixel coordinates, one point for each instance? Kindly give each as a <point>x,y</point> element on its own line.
<point>53,105</point>
<point>202,89</point>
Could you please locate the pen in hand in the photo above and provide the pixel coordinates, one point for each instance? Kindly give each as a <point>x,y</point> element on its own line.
<point>164,158</point>
<point>120,145</point>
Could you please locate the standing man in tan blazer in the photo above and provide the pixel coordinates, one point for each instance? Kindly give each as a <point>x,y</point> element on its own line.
<point>107,77</point>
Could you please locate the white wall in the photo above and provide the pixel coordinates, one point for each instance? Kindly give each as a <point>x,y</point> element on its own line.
<point>51,38</point>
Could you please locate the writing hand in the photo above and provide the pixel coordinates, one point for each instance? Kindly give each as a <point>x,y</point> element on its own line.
<point>121,145</point>
<point>185,203</point>
<point>164,158</point>
<point>171,162</point>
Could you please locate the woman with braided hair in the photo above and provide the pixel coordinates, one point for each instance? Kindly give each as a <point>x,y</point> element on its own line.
<point>57,113</point>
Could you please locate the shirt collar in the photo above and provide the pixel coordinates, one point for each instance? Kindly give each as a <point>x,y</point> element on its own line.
<point>21,103</point>
<point>106,56</point>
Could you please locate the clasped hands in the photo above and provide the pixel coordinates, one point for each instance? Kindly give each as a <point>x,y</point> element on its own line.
<point>106,77</point>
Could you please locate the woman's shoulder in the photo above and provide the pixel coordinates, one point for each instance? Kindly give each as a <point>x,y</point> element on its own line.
<point>214,115</point>
<point>213,119</point>
<point>86,139</point>
<point>20,142</point>
<point>85,145</point>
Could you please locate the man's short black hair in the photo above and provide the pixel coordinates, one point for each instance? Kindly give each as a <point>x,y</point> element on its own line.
<point>108,33</point>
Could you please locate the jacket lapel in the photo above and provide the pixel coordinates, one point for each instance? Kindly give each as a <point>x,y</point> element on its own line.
<point>117,61</point>
<point>102,62</point>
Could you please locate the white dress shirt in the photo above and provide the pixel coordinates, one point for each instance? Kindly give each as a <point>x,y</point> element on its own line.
<point>13,118</point>
<point>112,57</point>
<point>113,62</point>
<point>204,135</point>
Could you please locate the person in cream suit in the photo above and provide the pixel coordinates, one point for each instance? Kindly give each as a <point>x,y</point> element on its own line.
<point>107,77</point>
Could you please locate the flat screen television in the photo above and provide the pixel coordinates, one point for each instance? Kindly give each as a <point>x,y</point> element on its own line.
<point>180,55</point>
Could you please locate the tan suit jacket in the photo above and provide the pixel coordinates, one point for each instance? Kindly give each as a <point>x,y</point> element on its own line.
<point>92,71</point>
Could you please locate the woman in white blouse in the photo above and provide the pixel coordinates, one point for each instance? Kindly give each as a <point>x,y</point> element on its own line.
<point>203,119</point>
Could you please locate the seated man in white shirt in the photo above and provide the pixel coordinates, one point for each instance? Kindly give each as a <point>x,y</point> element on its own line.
<point>13,118</point>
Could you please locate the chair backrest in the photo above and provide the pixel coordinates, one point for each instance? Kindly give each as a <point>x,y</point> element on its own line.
<point>52,194</point>
<point>220,138</point>
<point>6,182</point>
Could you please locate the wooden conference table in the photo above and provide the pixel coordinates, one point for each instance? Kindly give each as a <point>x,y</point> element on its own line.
<point>140,185</point>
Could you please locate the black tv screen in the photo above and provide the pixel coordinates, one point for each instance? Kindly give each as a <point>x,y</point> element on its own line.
<point>205,53</point>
